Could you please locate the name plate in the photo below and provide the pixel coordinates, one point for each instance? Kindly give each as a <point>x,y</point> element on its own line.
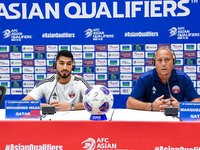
<point>189,111</point>
<point>22,109</point>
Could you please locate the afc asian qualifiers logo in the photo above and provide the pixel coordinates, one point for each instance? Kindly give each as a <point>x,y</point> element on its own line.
<point>176,89</point>
<point>100,143</point>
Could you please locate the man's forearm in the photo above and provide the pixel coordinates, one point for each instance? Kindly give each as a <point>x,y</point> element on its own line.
<point>133,103</point>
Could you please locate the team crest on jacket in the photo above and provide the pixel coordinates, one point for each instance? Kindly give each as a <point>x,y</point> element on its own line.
<point>176,89</point>
<point>71,94</point>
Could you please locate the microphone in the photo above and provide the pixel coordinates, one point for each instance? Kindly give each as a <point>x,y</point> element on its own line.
<point>50,109</point>
<point>170,111</point>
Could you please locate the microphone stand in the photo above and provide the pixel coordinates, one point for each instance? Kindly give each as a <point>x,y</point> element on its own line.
<point>170,111</point>
<point>50,109</point>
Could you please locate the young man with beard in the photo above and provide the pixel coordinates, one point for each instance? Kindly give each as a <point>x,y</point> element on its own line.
<point>151,90</point>
<point>69,91</point>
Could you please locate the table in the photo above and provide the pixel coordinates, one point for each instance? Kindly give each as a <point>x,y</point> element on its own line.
<point>83,134</point>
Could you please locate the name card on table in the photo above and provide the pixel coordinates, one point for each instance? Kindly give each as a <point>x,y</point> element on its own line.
<point>189,111</point>
<point>22,109</point>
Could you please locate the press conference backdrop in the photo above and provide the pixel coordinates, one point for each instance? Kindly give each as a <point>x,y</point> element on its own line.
<point>113,42</point>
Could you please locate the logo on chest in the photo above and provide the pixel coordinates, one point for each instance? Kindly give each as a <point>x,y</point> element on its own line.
<point>176,89</point>
<point>154,90</point>
<point>72,94</point>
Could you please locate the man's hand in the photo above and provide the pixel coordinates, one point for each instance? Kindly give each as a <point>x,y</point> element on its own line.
<point>166,103</point>
<point>61,106</point>
<point>158,103</point>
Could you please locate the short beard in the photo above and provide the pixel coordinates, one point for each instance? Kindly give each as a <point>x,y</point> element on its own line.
<point>64,76</point>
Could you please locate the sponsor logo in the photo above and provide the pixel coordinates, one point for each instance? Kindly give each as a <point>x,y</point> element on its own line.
<point>4,55</point>
<point>113,69</point>
<point>177,46</point>
<point>113,62</point>
<point>15,55</point>
<point>40,62</point>
<point>182,33</point>
<point>198,76</point>
<point>78,62</point>
<point>16,84</point>
<point>49,62</point>
<point>114,91</point>
<point>89,76</point>
<point>77,55</point>
<point>141,34</point>
<point>16,70</point>
<point>192,76</point>
<point>28,63</point>
<point>52,48</point>
<point>138,61</point>
<point>149,68</point>
<point>180,68</point>
<point>28,55</point>
<point>28,77</point>
<point>125,61</point>
<point>151,47</point>
<point>91,83</point>
<point>138,54</point>
<point>88,55</point>
<point>101,76</point>
<point>40,76</point>
<point>78,70</point>
<point>27,48</point>
<point>189,62</point>
<point>189,68</point>
<point>40,55</point>
<point>15,48</point>
<point>113,76</point>
<point>16,91</point>
<point>58,35</point>
<point>51,55</point>
<point>28,70</point>
<point>138,47</point>
<point>4,48</point>
<point>97,34</point>
<point>138,69</point>
<point>4,77</point>
<point>149,62</point>
<point>88,62</point>
<point>126,76</point>
<point>101,47</point>
<point>113,54</point>
<point>40,48</point>
<point>126,47</point>
<point>64,47</point>
<point>51,70</point>
<point>88,47</point>
<point>198,46</point>
<point>101,83</point>
<point>76,47</point>
<point>101,55</point>
<point>4,70</point>
<point>15,35</point>
<point>190,54</point>
<point>179,54</point>
<point>88,69</point>
<point>4,62</point>
<point>164,46</point>
<point>125,55</point>
<point>126,91</point>
<point>16,77</point>
<point>136,76</point>
<point>126,83</point>
<point>16,63</point>
<point>190,46</point>
<point>113,83</point>
<point>126,69</point>
<point>101,69</point>
<point>101,62</point>
<point>5,83</point>
<point>113,47</point>
<point>26,90</point>
<point>180,62</point>
<point>40,69</point>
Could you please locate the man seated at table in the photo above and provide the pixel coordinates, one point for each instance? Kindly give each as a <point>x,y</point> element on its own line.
<point>68,93</point>
<point>151,90</point>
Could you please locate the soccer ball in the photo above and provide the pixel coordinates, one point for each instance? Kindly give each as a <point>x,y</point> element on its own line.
<point>98,100</point>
